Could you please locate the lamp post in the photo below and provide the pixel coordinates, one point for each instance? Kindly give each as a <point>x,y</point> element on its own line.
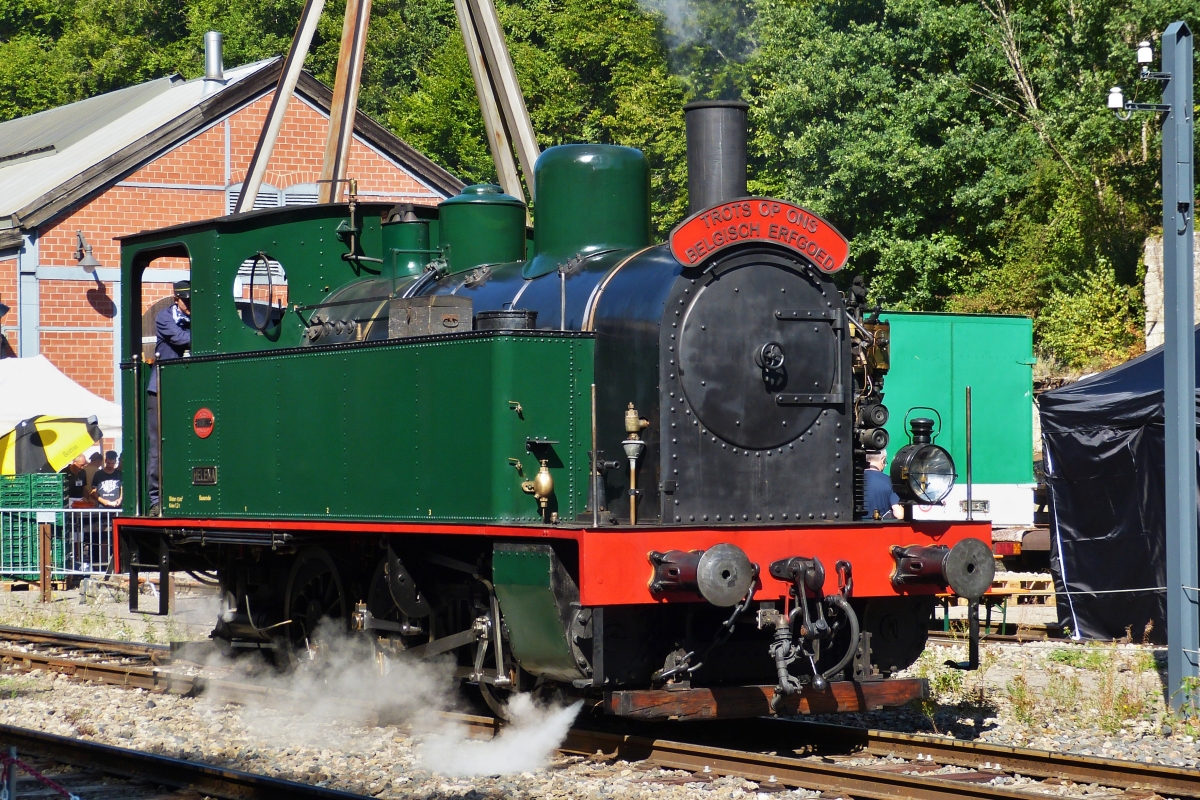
<point>1179,356</point>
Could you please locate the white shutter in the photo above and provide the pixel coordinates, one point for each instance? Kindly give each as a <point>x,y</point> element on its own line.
<point>302,194</point>
<point>268,197</point>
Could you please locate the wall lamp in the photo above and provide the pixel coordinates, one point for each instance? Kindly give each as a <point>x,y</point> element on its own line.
<point>83,254</point>
<point>1116,96</point>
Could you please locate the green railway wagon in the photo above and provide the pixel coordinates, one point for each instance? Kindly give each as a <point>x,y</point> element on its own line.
<point>935,357</point>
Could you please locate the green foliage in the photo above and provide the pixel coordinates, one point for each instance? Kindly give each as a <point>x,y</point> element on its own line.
<point>591,71</point>
<point>1097,325</point>
<point>962,145</point>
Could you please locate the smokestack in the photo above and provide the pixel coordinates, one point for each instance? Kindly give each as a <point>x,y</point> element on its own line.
<point>214,67</point>
<point>716,152</point>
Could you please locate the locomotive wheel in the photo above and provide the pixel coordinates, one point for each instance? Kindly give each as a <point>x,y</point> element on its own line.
<point>899,629</point>
<point>314,593</point>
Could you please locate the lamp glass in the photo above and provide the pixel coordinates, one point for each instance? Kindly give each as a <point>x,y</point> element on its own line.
<point>1116,99</point>
<point>88,262</point>
<point>1145,53</point>
<point>931,474</point>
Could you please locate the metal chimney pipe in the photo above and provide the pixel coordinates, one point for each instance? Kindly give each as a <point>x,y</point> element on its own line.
<point>214,67</point>
<point>716,152</point>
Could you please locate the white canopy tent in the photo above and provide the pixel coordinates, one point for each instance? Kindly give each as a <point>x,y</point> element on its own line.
<point>30,387</point>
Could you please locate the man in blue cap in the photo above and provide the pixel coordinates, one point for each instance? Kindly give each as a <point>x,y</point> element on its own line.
<point>881,501</point>
<point>173,327</point>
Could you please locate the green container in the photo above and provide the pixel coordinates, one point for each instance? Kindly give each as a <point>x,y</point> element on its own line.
<point>935,357</point>
<point>481,225</point>
<point>18,544</point>
<point>46,490</point>
<point>14,491</point>
<point>406,248</point>
<point>46,482</point>
<point>590,197</point>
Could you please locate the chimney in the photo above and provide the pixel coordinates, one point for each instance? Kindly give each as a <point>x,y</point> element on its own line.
<point>716,152</point>
<point>214,68</point>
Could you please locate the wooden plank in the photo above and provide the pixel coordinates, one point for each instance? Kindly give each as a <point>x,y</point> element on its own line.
<point>345,100</point>
<point>493,123</point>
<point>279,103</point>
<point>733,702</point>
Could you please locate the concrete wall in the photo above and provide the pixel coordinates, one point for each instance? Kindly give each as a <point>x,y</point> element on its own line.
<point>1153,288</point>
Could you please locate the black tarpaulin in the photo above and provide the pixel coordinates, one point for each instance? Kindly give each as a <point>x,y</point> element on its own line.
<point>1105,469</point>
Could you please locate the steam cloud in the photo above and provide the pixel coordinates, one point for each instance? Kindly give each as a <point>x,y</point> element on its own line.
<point>341,681</point>
<point>525,744</point>
<point>680,17</point>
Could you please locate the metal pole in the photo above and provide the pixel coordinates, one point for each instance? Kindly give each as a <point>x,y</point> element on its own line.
<point>595,467</point>
<point>512,101</point>
<point>45,545</point>
<point>1179,362</point>
<point>970,510</point>
<point>10,775</point>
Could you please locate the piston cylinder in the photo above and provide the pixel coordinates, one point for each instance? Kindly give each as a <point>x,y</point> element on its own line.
<point>722,574</point>
<point>968,567</point>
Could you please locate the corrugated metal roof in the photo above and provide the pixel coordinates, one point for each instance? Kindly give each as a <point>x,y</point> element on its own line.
<point>48,132</point>
<point>114,124</point>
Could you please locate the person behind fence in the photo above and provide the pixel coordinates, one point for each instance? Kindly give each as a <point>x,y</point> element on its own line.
<point>76,480</point>
<point>173,328</point>
<point>94,465</point>
<point>880,501</point>
<point>108,493</point>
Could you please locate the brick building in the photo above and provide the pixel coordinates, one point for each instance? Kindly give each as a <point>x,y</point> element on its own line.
<point>157,154</point>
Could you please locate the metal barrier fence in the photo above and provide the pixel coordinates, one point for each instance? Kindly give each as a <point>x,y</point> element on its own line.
<point>81,541</point>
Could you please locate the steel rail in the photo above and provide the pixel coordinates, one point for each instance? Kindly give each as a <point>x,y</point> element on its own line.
<point>847,781</point>
<point>1119,773</point>
<point>90,643</point>
<point>137,765</point>
<point>951,637</point>
<point>158,680</point>
<point>786,736</point>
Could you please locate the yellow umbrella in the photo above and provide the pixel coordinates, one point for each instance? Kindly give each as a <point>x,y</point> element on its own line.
<point>46,444</point>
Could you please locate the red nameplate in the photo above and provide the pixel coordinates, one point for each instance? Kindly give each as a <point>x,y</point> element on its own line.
<point>759,220</point>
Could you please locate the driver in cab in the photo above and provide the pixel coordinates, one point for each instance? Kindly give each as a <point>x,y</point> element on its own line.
<point>881,501</point>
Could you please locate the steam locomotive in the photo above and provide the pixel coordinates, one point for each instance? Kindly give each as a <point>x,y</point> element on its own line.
<point>570,457</point>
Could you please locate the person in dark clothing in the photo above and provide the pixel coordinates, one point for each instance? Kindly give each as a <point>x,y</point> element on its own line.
<point>107,482</point>
<point>173,328</point>
<point>881,501</point>
<point>77,482</point>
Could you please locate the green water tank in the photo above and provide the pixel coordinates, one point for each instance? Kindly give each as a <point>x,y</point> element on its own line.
<point>590,197</point>
<point>481,225</point>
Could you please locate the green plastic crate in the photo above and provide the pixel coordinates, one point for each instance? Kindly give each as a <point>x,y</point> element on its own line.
<point>14,491</point>
<point>46,481</point>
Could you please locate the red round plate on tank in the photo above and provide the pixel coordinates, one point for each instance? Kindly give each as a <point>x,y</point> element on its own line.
<point>203,422</point>
<point>759,220</point>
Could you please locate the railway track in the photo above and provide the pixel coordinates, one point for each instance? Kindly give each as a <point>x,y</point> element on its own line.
<point>90,770</point>
<point>784,753</point>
